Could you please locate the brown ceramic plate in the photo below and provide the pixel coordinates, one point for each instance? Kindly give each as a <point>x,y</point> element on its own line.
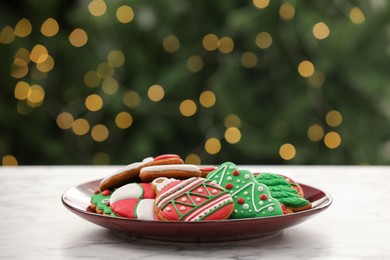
<point>77,200</point>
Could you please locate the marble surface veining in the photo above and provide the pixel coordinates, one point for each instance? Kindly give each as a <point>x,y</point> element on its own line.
<point>36,225</point>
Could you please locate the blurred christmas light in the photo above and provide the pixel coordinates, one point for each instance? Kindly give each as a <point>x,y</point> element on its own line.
<point>21,90</point>
<point>78,37</point>
<point>7,35</point>
<point>332,140</point>
<point>131,99</point>
<point>334,118</point>
<point>248,59</point>
<point>193,159</point>
<point>116,58</point>
<point>19,68</point>
<point>23,28</point>
<point>35,95</point>
<point>65,120</point>
<point>50,27</point>
<point>110,86</point>
<point>315,133</point>
<point>97,7</point>
<point>232,121</point>
<point>233,135</point>
<point>23,54</point>
<point>101,159</point>
<point>356,15</point>
<point>226,45</point>
<point>212,146</point>
<point>105,70</point>
<point>92,79</point>
<point>287,151</point>
<point>194,63</point>
<point>99,133</point>
<point>123,120</point>
<point>94,102</point>
<point>156,93</point>
<point>9,160</point>
<point>321,31</point>
<point>37,51</point>
<point>286,11</point>
<point>306,68</point>
<point>210,42</point>
<point>188,108</point>
<point>261,4</point>
<point>45,63</point>
<point>125,14</point>
<point>171,43</point>
<point>317,80</point>
<point>207,98</point>
<point>263,40</point>
<point>80,126</point>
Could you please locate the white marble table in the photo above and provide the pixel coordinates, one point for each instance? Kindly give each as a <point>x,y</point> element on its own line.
<point>35,224</point>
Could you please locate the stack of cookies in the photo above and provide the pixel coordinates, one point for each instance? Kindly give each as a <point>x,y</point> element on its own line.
<point>164,188</point>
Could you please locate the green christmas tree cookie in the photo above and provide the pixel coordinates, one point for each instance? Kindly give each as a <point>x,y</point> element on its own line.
<point>101,199</point>
<point>251,198</point>
<point>282,190</point>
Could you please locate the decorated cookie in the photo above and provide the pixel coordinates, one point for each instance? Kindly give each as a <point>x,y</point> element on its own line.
<point>282,189</point>
<point>130,173</point>
<point>251,198</point>
<point>100,202</point>
<point>205,170</point>
<point>194,199</point>
<point>134,200</point>
<point>177,171</point>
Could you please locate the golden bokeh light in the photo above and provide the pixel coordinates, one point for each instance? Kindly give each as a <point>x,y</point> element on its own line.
<point>50,27</point>
<point>315,133</point>
<point>306,68</point>
<point>19,68</point>
<point>249,59</point>
<point>131,99</point>
<point>9,160</point>
<point>123,120</point>
<point>23,54</point>
<point>357,16</point>
<point>101,159</point>
<point>232,121</point>
<point>156,93</point>
<point>92,79</point>
<point>80,126</point>
<point>332,140</point>
<point>78,37</point>
<point>261,4</point>
<point>212,146</point>
<point>210,42</point>
<point>194,63</point>
<point>125,14</point>
<point>21,90</point>
<point>65,120</point>
<point>171,43</point>
<point>97,7</point>
<point>188,108</point>
<point>45,63</point>
<point>38,53</point>
<point>36,94</point>
<point>233,135</point>
<point>23,28</point>
<point>193,158</point>
<point>116,58</point>
<point>110,86</point>
<point>286,11</point>
<point>7,35</point>
<point>321,30</point>
<point>334,118</point>
<point>94,102</point>
<point>287,151</point>
<point>263,40</point>
<point>105,70</point>
<point>207,98</point>
<point>226,45</point>
<point>99,133</point>
<point>317,80</point>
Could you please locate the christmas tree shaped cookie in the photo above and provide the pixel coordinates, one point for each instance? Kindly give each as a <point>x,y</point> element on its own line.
<point>251,198</point>
<point>284,191</point>
<point>100,202</point>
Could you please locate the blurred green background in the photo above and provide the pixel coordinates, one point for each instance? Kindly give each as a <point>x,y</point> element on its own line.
<point>252,82</point>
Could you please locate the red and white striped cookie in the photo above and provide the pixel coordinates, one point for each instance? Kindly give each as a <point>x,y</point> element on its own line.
<point>194,199</point>
<point>134,200</point>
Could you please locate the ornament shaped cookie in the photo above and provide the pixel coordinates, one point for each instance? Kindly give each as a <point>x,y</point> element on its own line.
<point>194,199</point>
<point>178,171</point>
<point>131,172</point>
<point>100,202</point>
<point>251,198</point>
<point>282,189</point>
<point>134,200</point>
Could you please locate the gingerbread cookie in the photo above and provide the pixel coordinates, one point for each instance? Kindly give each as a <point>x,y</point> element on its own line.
<point>100,202</point>
<point>283,189</point>
<point>130,173</point>
<point>194,199</point>
<point>177,171</point>
<point>251,198</point>
<point>205,170</point>
<point>134,200</point>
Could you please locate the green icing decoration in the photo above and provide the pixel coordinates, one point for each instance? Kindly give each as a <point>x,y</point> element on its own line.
<point>251,198</point>
<point>282,190</point>
<point>101,202</point>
